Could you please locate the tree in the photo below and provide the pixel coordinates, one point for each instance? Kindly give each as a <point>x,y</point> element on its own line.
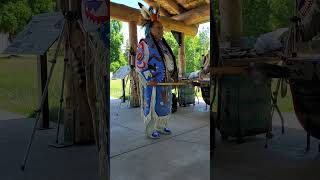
<point>40,6</point>
<point>256,17</point>
<point>172,43</point>
<point>281,13</point>
<point>117,58</point>
<point>15,14</point>
<point>195,47</point>
<point>262,16</point>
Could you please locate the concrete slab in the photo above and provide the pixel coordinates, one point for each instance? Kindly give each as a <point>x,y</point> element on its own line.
<point>169,160</point>
<point>4,115</point>
<point>183,155</point>
<point>200,136</point>
<point>284,159</point>
<point>185,119</point>
<point>44,162</point>
<point>127,140</point>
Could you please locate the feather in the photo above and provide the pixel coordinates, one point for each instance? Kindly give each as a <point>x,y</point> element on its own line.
<point>157,10</point>
<point>145,13</point>
<point>151,10</point>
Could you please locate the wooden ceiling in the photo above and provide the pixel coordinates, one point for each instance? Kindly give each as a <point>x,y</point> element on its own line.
<point>191,12</point>
<point>177,15</point>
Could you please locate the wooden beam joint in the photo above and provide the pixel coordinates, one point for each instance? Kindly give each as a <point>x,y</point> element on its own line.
<point>127,14</point>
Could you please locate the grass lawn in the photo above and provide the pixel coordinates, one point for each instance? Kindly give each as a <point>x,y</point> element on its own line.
<point>18,86</point>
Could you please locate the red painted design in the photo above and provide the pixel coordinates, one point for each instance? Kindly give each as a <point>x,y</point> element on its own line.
<point>91,7</point>
<point>141,65</point>
<point>139,56</point>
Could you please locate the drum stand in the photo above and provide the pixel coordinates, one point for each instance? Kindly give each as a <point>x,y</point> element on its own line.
<point>274,106</point>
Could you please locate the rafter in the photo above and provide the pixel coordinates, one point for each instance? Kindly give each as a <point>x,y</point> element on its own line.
<point>127,14</point>
<point>194,16</point>
<point>173,6</point>
<point>163,12</point>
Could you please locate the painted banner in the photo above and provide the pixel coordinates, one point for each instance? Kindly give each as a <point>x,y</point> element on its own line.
<point>94,14</point>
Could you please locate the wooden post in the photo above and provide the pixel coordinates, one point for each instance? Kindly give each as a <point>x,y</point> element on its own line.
<point>123,91</point>
<point>42,79</point>
<point>87,105</point>
<point>78,120</point>
<point>134,81</point>
<point>231,22</point>
<point>58,5</point>
<point>68,99</point>
<point>182,63</point>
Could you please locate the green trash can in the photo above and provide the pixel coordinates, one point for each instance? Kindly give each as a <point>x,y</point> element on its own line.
<point>244,107</point>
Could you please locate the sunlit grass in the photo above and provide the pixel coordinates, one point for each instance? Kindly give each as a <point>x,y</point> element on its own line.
<point>19,88</point>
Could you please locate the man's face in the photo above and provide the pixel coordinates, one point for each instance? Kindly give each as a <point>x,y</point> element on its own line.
<point>157,30</point>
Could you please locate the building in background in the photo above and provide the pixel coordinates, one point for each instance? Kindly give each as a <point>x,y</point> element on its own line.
<point>4,41</point>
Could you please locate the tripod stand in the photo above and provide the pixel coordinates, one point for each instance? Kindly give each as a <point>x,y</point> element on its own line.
<point>43,97</point>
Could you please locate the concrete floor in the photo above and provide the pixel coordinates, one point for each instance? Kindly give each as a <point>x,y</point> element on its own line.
<point>183,155</point>
<point>285,157</point>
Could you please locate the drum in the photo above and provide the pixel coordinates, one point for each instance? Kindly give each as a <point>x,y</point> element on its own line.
<point>305,89</point>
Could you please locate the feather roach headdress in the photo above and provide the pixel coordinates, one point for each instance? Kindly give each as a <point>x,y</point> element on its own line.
<point>150,16</point>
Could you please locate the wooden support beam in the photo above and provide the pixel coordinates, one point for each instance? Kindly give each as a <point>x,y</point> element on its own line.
<point>163,12</point>
<point>128,14</point>
<point>190,4</point>
<point>173,5</point>
<point>42,79</point>
<point>134,80</point>
<point>133,35</point>
<point>228,70</point>
<point>182,63</point>
<point>231,21</point>
<point>69,120</point>
<point>194,16</point>
<point>78,122</point>
<point>169,84</point>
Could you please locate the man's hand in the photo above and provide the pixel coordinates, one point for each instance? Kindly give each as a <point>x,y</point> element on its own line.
<point>152,83</point>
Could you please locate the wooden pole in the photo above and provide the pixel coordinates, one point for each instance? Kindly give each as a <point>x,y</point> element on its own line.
<point>78,122</point>
<point>215,56</point>
<point>134,81</point>
<point>68,124</point>
<point>182,63</point>
<point>42,79</point>
<point>123,91</point>
<point>231,22</point>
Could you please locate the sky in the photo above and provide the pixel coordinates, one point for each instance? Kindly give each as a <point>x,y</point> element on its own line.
<point>134,4</point>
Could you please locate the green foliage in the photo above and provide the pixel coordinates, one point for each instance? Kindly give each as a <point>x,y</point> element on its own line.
<point>117,58</point>
<point>256,16</point>
<point>14,16</point>
<point>195,47</point>
<point>262,16</point>
<point>172,43</point>
<point>40,6</point>
<point>281,13</point>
